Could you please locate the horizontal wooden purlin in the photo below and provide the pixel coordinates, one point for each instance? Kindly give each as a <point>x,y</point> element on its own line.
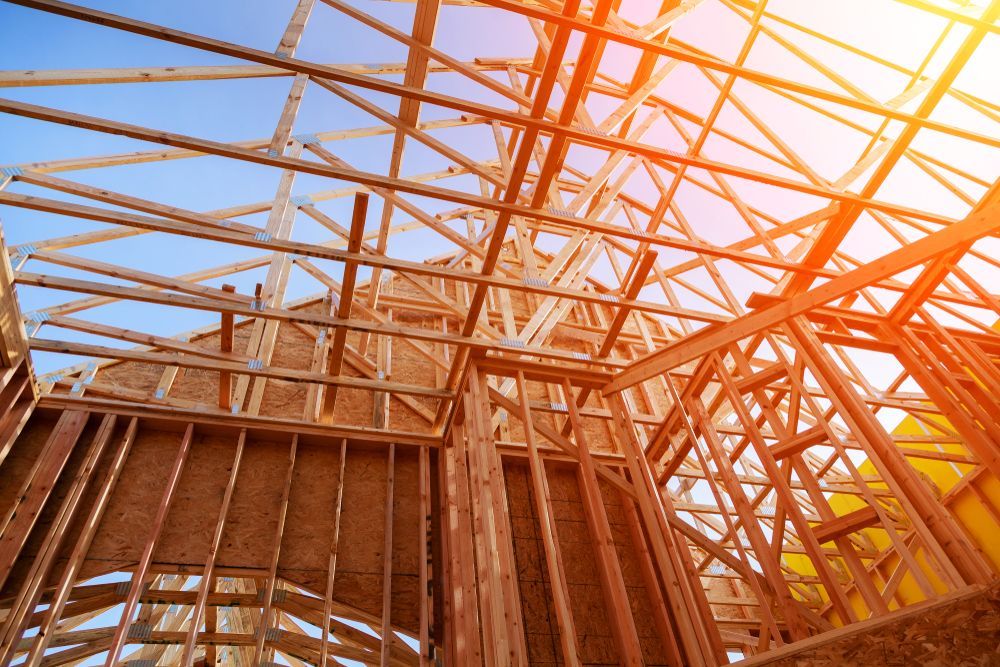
<point>71,77</point>
<point>101,638</point>
<point>264,428</point>
<point>113,392</point>
<point>79,305</point>
<point>751,480</point>
<point>121,393</point>
<point>322,252</point>
<point>402,185</point>
<point>687,55</point>
<point>932,455</point>
<point>753,624</point>
<point>873,324</point>
<point>143,277</point>
<point>977,225</point>
<point>761,378</point>
<point>700,508</point>
<point>858,342</point>
<point>214,305</point>
<point>829,551</point>
<point>255,55</point>
<point>144,339</point>
<point>842,526</point>
<point>799,443</point>
<point>542,372</point>
<point>212,233</point>
<point>287,315</point>
<point>595,413</point>
<point>192,361</point>
<point>142,157</point>
<point>791,227</point>
<point>553,453</point>
<point>565,444</point>
<point>134,203</point>
<point>577,331</point>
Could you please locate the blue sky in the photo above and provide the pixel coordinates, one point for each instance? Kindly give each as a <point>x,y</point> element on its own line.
<point>229,110</point>
<point>244,109</point>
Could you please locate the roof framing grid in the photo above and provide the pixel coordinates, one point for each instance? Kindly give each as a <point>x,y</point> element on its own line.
<point>668,332</point>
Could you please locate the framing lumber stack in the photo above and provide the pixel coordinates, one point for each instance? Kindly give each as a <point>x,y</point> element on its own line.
<point>574,438</point>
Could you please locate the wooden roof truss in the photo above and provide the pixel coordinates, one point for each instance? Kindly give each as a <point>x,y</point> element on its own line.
<point>728,416</point>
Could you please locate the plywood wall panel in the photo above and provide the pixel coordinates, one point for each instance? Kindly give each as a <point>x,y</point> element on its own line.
<point>128,520</point>
<point>593,626</point>
<point>248,537</point>
<point>541,631</point>
<point>187,533</point>
<point>311,508</point>
<point>17,465</point>
<point>20,466</point>
<point>362,529</point>
<point>407,531</point>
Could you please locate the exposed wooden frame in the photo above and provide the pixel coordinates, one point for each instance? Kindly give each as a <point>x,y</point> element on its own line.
<point>723,391</point>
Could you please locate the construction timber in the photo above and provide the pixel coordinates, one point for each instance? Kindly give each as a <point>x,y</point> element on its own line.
<point>636,413</point>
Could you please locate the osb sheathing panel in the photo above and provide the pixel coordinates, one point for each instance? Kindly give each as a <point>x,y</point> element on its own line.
<point>294,350</point>
<point>532,576</point>
<point>15,468</point>
<point>133,375</point>
<point>316,493</point>
<point>595,641</point>
<point>724,587</point>
<point>187,533</point>
<point>362,529</point>
<point>282,398</point>
<point>593,626</point>
<point>635,585</point>
<point>249,533</point>
<point>356,406</point>
<point>407,532</point>
<point>18,464</point>
<point>90,495</point>
<point>962,633</point>
<point>128,520</point>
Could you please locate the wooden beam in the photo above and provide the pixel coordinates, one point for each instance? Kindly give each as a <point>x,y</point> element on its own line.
<point>977,225</point>
<point>336,358</point>
<point>844,525</point>
<point>260,636</point>
<point>388,638</point>
<point>208,575</point>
